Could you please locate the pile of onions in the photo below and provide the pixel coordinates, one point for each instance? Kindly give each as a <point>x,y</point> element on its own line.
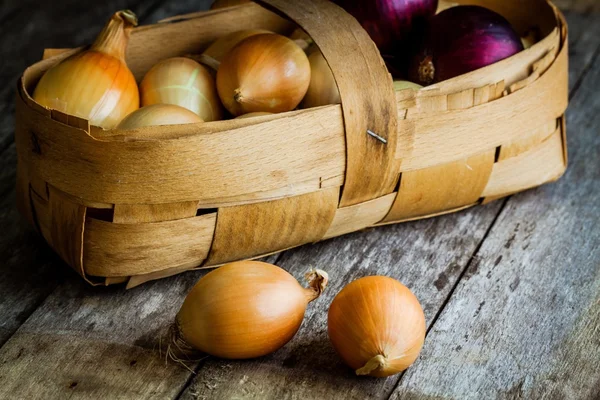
<point>95,84</point>
<point>159,114</point>
<point>244,310</point>
<point>460,40</point>
<point>263,73</point>
<point>322,89</point>
<point>184,82</point>
<point>389,22</point>
<point>377,326</point>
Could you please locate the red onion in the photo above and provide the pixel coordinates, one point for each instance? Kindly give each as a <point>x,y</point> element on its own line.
<point>389,22</point>
<point>460,40</point>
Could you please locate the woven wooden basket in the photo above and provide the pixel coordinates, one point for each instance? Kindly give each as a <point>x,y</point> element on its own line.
<point>120,209</point>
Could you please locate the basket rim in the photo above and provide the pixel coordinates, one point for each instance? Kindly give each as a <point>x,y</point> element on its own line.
<point>449,86</point>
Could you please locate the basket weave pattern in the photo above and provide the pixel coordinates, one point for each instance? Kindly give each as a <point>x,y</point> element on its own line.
<point>126,207</point>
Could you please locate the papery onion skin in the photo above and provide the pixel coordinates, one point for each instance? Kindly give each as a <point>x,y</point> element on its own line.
<point>460,40</point>
<point>323,89</point>
<point>245,309</point>
<point>377,326</point>
<point>389,22</point>
<point>184,82</point>
<point>159,114</point>
<point>219,49</point>
<point>266,72</point>
<point>95,84</point>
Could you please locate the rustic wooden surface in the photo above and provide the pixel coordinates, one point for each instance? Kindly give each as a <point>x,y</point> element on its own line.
<point>511,290</point>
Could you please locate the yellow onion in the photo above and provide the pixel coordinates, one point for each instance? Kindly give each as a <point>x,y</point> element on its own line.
<point>95,84</point>
<point>244,310</point>
<point>219,49</point>
<point>322,90</point>
<point>183,82</point>
<point>254,114</point>
<point>377,326</point>
<point>266,72</point>
<point>403,85</point>
<point>227,3</point>
<point>159,114</point>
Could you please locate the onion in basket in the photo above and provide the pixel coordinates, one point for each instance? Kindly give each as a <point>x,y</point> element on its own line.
<point>95,84</point>
<point>267,72</point>
<point>183,82</point>
<point>460,40</point>
<point>377,326</point>
<point>322,89</point>
<point>389,22</point>
<point>159,114</point>
<point>243,310</point>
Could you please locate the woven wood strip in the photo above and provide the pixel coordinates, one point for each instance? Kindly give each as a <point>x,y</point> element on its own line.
<point>249,230</point>
<point>140,213</point>
<point>131,249</point>
<point>454,135</point>
<point>66,229</point>
<point>441,188</point>
<point>368,103</point>
<point>543,163</point>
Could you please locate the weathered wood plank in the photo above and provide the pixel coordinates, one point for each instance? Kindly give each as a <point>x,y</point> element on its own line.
<point>427,256</point>
<point>584,6</point>
<point>525,321</point>
<point>29,269</point>
<point>584,31</point>
<point>96,343</point>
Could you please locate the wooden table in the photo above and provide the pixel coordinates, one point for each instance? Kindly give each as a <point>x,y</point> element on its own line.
<point>511,290</point>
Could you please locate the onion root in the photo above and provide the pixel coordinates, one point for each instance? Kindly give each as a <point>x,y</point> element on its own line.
<point>178,350</point>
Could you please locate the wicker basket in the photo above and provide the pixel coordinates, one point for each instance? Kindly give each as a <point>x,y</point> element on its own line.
<point>119,209</point>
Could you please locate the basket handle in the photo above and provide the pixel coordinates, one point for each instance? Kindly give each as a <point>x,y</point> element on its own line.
<point>366,91</point>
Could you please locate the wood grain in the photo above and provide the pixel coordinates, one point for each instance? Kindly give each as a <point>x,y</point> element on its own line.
<point>445,187</point>
<point>96,343</point>
<point>529,305</point>
<point>132,249</point>
<point>247,231</point>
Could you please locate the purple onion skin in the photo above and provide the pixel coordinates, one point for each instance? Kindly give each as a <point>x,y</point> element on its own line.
<point>460,40</point>
<point>389,22</point>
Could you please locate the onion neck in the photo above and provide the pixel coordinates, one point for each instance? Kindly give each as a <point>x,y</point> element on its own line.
<point>114,37</point>
<point>238,97</point>
<point>427,71</point>
<point>317,282</point>
<point>375,363</point>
